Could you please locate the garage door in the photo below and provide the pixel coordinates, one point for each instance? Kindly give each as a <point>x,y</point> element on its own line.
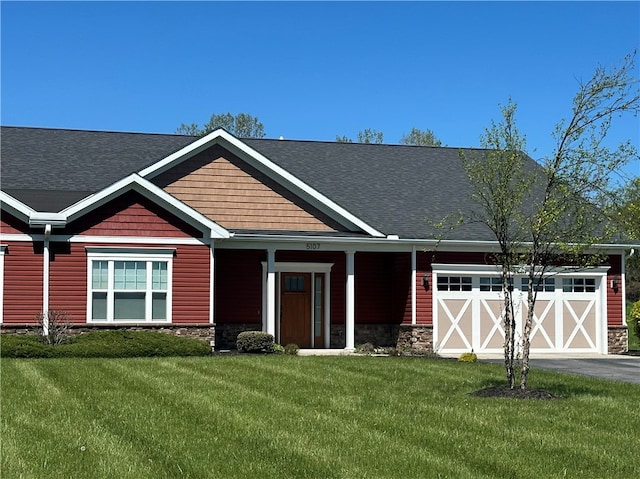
<point>468,311</point>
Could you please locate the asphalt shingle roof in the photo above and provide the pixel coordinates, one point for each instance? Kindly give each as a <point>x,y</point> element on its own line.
<point>394,188</point>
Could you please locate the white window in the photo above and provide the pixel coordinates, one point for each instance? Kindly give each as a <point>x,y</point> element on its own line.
<point>129,284</point>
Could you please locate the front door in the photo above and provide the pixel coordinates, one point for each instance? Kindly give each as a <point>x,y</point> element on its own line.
<point>295,309</point>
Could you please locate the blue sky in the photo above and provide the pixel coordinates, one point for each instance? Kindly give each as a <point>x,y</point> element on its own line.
<point>310,70</point>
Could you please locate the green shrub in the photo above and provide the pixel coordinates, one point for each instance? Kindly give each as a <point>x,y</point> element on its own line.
<point>24,346</point>
<point>291,349</point>
<point>366,348</point>
<point>104,344</point>
<point>278,349</point>
<point>255,342</point>
<point>468,357</point>
<point>633,319</point>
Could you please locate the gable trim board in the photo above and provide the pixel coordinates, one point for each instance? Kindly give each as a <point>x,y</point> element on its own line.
<point>229,279</point>
<point>266,166</point>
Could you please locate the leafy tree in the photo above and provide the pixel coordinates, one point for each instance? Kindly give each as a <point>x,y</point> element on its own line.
<point>501,185</point>
<point>552,219</point>
<point>368,135</point>
<point>420,138</point>
<point>625,210</point>
<point>242,125</point>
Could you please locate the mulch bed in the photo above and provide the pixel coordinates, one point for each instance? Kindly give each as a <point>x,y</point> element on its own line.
<point>516,393</point>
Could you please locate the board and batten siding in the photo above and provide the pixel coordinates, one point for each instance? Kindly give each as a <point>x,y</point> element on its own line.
<point>235,195</point>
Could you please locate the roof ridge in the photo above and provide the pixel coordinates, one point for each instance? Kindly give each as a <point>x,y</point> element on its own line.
<point>78,130</point>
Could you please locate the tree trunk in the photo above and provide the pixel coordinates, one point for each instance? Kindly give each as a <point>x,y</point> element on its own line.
<point>509,332</point>
<point>526,331</point>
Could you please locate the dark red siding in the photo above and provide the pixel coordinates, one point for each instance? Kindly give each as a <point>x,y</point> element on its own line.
<point>132,215</point>
<point>68,280</point>
<point>614,296</point>
<point>191,284</point>
<point>238,294</point>
<point>11,225</point>
<point>22,282</point>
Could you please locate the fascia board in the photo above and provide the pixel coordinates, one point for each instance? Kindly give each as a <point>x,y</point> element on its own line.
<point>15,208</point>
<point>154,193</point>
<point>266,166</point>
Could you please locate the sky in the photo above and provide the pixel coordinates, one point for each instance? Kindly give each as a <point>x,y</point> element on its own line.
<point>311,70</point>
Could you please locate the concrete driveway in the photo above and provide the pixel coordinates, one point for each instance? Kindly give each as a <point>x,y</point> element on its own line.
<point>614,367</point>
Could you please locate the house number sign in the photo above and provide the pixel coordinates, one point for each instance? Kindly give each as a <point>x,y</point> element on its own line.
<point>313,246</point>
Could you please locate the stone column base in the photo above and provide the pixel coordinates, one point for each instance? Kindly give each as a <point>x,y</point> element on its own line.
<point>618,339</point>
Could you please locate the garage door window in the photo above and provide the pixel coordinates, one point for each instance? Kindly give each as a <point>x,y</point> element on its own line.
<point>579,285</point>
<point>454,283</point>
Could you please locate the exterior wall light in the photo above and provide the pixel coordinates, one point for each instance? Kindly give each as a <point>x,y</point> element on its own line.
<point>425,280</point>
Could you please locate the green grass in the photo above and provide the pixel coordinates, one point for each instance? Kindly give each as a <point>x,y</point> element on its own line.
<point>306,417</point>
<point>634,341</point>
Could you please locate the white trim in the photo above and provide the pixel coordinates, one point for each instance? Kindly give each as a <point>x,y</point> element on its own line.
<point>106,239</point>
<point>46,259</point>
<point>146,255</point>
<point>15,207</point>
<point>349,320</point>
<point>298,267</point>
<point>266,166</point>
<point>271,292</point>
<point>110,251</point>
<point>558,301</point>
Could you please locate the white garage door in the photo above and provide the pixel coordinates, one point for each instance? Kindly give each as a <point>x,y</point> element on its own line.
<point>468,309</point>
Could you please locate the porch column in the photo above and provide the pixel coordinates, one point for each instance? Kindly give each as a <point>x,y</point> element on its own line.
<point>350,322</point>
<point>45,281</point>
<point>271,291</point>
<point>413,285</point>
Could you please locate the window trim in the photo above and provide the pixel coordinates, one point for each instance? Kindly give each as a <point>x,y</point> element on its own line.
<point>146,255</point>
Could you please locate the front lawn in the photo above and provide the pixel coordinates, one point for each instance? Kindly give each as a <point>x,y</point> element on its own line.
<point>275,416</point>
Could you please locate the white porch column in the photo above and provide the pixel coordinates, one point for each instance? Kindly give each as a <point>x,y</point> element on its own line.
<point>45,281</point>
<point>271,291</point>
<point>414,316</point>
<point>350,322</point>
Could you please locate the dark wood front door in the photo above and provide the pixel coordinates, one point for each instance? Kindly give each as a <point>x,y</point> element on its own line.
<point>295,309</point>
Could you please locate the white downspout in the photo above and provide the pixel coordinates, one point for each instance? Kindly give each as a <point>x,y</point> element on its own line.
<point>45,281</point>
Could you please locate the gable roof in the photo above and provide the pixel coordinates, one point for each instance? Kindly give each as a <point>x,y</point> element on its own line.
<point>383,189</point>
<point>50,169</point>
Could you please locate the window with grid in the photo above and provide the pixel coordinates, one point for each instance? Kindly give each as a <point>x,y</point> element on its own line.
<point>129,289</point>
<point>454,283</point>
<point>543,284</point>
<point>579,285</point>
